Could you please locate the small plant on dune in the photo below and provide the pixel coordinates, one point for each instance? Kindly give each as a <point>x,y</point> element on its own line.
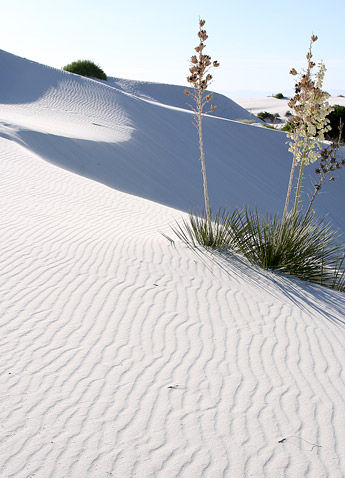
<point>310,122</point>
<point>287,127</point>
<point>199,77</point>
<point>86,68</point>
<point>304,247</point>
<point>246,121</point>
<point>279,96</point>
<point>336,117</point>
<point>197,231</point>
<point>265,115</point>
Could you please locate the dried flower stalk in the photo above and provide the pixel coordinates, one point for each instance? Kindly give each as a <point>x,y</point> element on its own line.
<point>200,78</point>
<point>328,163</point>
<point>310,122</point>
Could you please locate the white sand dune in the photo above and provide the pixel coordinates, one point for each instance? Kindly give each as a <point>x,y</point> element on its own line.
<point>125,355</point>
<point>148,149</point>
<point>274,105</point>
<point>174,95</point>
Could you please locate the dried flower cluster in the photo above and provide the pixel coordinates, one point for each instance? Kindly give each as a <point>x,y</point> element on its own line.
<point>200,78</point>
<point>329,162</point>
<point>311,109</point>
<point>310,122</point>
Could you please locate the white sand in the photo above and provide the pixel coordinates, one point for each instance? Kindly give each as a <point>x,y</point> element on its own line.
<point>274,105</point>
<point>124,355</point>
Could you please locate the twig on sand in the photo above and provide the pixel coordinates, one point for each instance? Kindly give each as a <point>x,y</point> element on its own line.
<point>299,438</point>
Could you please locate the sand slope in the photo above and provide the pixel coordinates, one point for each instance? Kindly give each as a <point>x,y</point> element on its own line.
<point>123,354</point>
<point>173,95</point>
<point>149,149</point>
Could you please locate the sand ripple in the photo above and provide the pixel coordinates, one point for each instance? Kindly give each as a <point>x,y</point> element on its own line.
<point>124,356</point>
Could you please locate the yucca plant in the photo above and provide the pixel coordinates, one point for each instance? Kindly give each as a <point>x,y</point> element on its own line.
<point>200,79</point>
<point>304,247</point>
<point>299,245</point>
<point>198,231</point>
<point>339,275</point>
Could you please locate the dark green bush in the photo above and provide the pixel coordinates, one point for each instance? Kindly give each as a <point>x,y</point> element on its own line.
<point>335,117</point>
<point>279,96</point>
<point>264,115</point>
<point>269,126</point>
<point>86,68</point>
<point>287,126</point>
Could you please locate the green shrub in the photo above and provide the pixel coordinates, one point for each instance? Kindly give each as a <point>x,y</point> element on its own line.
<point>269,126</point>
<point>287,127</point>
<point>265,115</point>
<point>334,117</point>
<point>279,96</point>
<point>246,121</point>
<point>86,68</point>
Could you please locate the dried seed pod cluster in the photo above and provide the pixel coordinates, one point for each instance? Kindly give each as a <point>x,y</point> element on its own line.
<point>311,109</point>
<point>200,65</point>
<point>329,161</point>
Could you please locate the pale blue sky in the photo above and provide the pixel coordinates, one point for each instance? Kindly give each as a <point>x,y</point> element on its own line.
<point>256,42</point>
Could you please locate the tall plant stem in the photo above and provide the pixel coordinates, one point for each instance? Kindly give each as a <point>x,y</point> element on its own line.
<point>298,190</point>
<point>202,159</point>
<point>317,189</point>
<point>288,195</point>
<point>329,153</point>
